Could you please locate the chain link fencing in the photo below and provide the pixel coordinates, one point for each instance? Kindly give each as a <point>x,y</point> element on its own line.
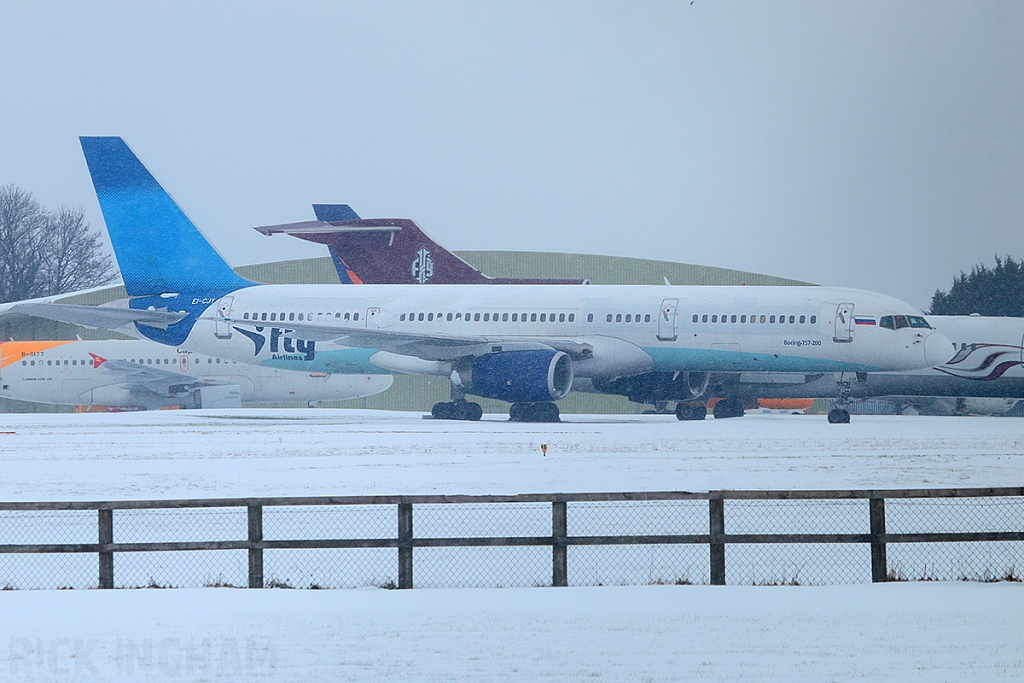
<point>769,538</point>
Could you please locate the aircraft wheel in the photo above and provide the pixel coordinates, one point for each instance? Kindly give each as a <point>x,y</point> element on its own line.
<point>729,407</point>
<point>442,411</point>
<point>468,411</point>
<point>515,412</point>
<point>839,416</point>
<point>548,412</point>
<point>685,412</point>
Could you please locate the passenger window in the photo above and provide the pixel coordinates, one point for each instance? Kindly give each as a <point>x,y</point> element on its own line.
<point>618,317</point>
<point>572,317</point>
<point>430,317</point>
<point>355,316</point>
<point>695,317</point>
<point>245,316</point>
<point>515,317</point>
<point>402,317</point>
<point>714,318</point>
<point>732,319</point>
<point>609,317</point>
<point>647,318</point>
<point>533,318</point>
<point>74,362</point>
<point>803,319</point>
<point>743,318</point>
<point>476,317</point>
<point>291,316</point>
<point>263,316</point>
<point>458,316</point>
<point>487,316</point>
<point>218,361</point>
<point>704,318</point>
<point>590,317</point>
<point>282,317</point>
<point>561,317</point>
<point>771,320</point>
<point>337,315</point>
<point>273,316</point>
<point>449,317</point>
<point>504,317</point>
<point>629,318</point>
<point>543,317</point>
<point>792,319</point>
<point>814,319</point>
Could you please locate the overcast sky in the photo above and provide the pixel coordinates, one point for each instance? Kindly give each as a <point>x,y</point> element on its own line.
<point>873,145</point>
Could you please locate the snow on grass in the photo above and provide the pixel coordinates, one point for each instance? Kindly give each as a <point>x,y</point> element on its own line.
<point>170,454</point>
<point>886,632</point>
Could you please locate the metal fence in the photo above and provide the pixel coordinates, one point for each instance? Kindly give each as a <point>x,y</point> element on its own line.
<point>769,537</point>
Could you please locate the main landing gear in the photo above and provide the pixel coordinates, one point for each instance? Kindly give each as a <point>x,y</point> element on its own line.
<point>534,412</point>
<point>687,412</point>
<point>457,410</point>
<point>728,407</point>
<point>839,414</point>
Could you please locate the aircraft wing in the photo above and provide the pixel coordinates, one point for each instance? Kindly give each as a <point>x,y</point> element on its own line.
<point>426,346</point>
<point>157,380</point>
<point>103,317</point>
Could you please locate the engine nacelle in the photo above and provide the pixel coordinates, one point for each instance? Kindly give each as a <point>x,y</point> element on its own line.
<point>522,376</point>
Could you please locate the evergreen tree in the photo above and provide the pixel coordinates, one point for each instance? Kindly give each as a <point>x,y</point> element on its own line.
<point>995,291</point>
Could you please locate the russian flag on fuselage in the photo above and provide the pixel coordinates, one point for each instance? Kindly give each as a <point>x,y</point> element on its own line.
<point>864,321</point>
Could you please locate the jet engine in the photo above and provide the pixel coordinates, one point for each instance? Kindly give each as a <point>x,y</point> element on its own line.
<point>522,376</point>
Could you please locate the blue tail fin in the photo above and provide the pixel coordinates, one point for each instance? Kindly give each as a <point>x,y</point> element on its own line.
<point>158,249</point>
<point>334,212</point>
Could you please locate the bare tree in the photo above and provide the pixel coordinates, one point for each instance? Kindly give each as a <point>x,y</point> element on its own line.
<point>22,233</point>
<point>43,253</point>
<point>74,257</point>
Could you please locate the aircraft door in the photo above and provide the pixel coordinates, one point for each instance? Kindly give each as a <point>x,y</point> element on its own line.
<point>223,327</point>
<point>844,324</point>
<point>667,320</point>
<point>372,318</point>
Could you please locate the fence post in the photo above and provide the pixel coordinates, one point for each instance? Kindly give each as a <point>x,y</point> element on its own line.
<point>716,508</point>
<point>879,565</point>
<point>106,536</point>
<point>559,554</point>
<point>255,554</point>
<point>405,545</point>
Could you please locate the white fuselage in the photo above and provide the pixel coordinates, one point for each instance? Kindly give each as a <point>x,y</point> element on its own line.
<point>78,373</point>
<point>631,329</point>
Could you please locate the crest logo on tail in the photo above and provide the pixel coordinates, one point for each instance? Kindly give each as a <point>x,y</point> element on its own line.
<point>97,360</point>
<point>422,266</point>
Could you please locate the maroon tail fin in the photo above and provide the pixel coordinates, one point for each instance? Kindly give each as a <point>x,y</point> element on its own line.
<point>388,251</point>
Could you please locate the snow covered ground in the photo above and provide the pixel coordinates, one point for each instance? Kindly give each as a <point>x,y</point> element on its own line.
<point>924,631</point>
<point>187,454</point>
<point>887,632</point>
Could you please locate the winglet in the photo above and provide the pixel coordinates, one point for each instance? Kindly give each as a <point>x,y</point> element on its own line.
<point>158,249</point>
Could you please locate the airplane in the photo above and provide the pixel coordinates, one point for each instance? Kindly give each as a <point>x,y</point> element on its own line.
<point>992,388</point>
<point>988,364</point>
<point>523,344</point>
<point>145,375</point>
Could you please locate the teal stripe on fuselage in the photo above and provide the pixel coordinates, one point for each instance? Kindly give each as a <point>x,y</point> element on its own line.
<point>703,360</point>
<point>331,362</point>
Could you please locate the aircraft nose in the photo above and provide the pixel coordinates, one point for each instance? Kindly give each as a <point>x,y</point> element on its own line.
<point>938,349</point>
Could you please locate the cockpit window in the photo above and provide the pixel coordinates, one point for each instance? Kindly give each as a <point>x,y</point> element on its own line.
<point>918,321</point>
<point>901,321</point>
<point>886,322</point>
